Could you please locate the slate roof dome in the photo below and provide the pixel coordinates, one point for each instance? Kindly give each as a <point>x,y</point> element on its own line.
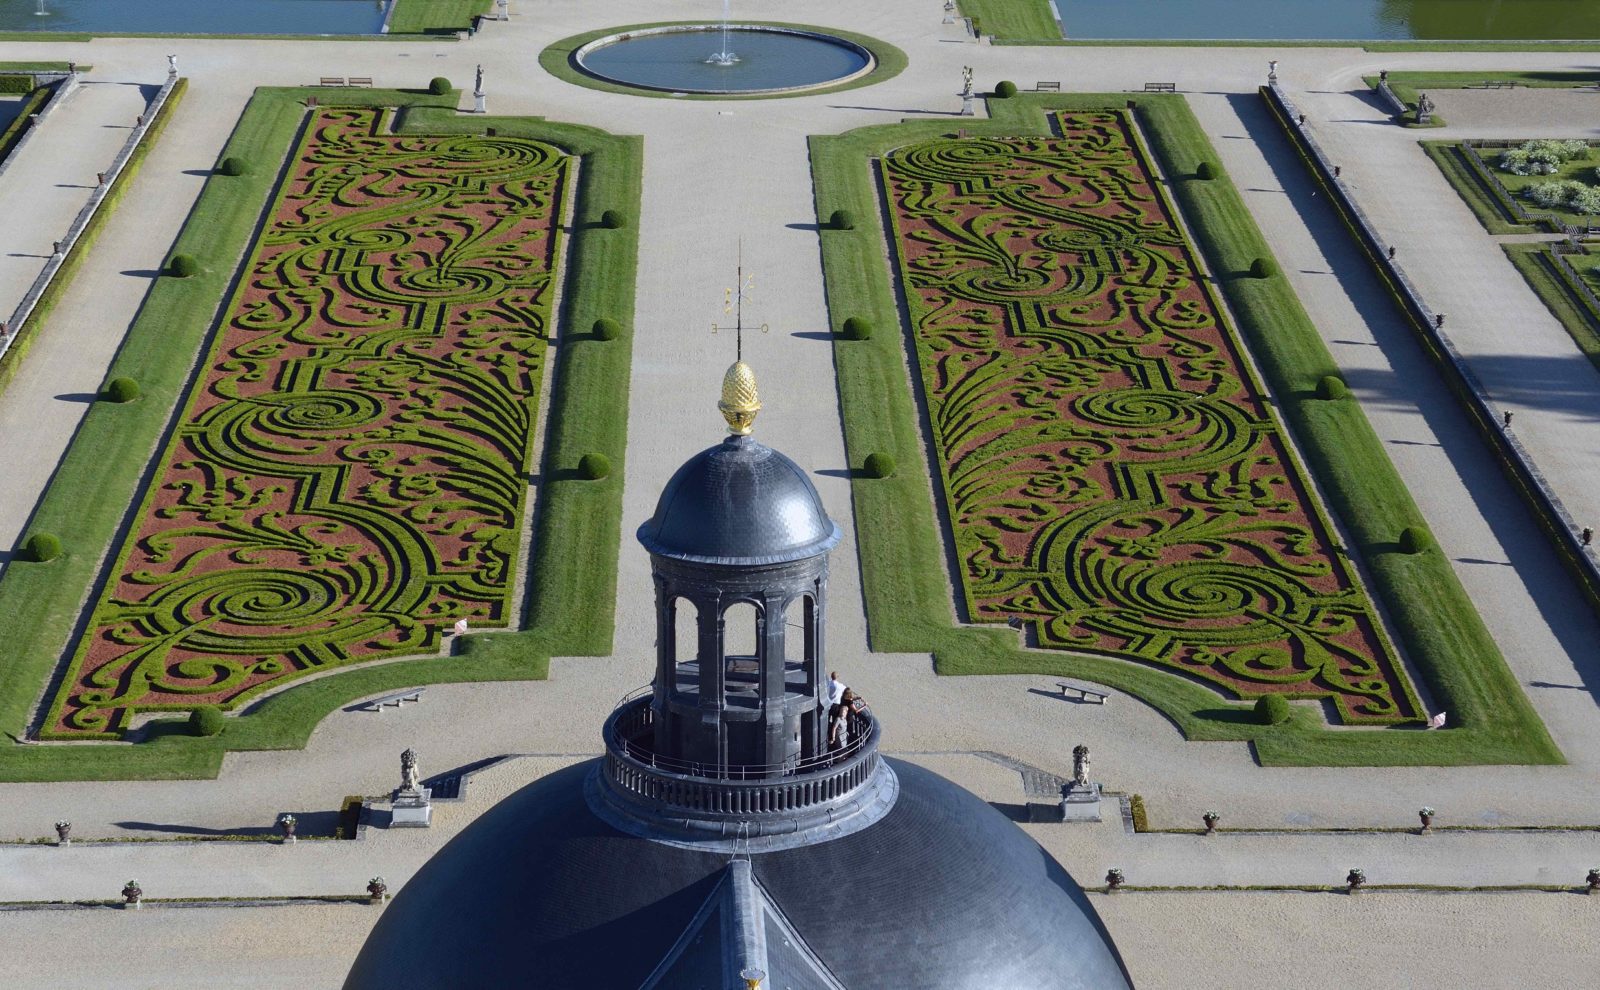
<point>739,503</point>
<point>942,893</point>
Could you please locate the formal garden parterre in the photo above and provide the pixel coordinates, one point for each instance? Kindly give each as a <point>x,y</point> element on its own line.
<point>348,476</point>
<point>569,571</point>
<point>1112,472</point>
<point>910,574</point>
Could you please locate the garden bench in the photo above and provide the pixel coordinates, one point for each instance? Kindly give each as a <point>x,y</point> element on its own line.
<point>361,80</point>
<point>1047,86</point>
<point>1084,694</point>
<point>1496,84</point>
<point>1160,87</point>
<point>331,81</point>
<point>397,699</point>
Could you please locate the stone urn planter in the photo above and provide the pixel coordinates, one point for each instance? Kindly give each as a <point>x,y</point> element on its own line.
<point>63,833</point>
<point>132,894</point>
<point>1354,880</point>
<point>377,890</point>
<point>1211,818</point>
<point>1114,880</point>
<point>288,823</point>
<point>1426,816</point>
<point>1593,880</point>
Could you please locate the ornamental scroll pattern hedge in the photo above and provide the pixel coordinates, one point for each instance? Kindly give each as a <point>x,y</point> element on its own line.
<point>1112,472</point>
<point>348,475</point>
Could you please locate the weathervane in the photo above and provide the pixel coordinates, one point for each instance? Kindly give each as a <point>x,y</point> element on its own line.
<point>733,302</point>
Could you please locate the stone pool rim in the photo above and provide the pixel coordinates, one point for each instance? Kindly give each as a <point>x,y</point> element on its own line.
<point>562,60</point>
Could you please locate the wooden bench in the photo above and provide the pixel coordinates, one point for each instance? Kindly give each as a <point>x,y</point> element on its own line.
<point>1495,84</point>
<point>1084,694</point>
<point>361,80</point>
<point>331,81</point>
<point>1160,87</point>
<point>397,699</point>
<point>1047,86</point>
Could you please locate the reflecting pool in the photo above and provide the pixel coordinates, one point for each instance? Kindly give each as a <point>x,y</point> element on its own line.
<point>195,16</point>
<point>1332,19</point>
<point>697,59</point>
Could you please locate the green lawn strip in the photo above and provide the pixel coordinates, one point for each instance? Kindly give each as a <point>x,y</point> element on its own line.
<point>557,60</point>
<point>39,67</point>
<point>1012,20</point>
<point>1476,190</point>
<point>435,16</point>
<point>40,603</point>
<point>39,317</point>
<point>905,576</point>
<point>1554,289</point>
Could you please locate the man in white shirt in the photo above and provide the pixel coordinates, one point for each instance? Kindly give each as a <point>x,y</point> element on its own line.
<point>835,688</point>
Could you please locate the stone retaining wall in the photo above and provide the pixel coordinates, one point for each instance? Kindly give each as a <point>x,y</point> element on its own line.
<point>1547,505</point>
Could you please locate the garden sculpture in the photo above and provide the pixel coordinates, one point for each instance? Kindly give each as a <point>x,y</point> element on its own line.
<point>1080,766</point>
<point>409,773</point>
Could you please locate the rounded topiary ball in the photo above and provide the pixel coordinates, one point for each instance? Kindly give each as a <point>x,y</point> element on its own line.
<point>1206,171</point>
<point>43,546</point>
<point>842,220</point>
<point>1273,709</point>
<point>121,390</point>
<point>206,721</point>
<point>1332,387</point>
<point>611,220</point>
<point>439,86</point>
<point>1263,268</point>
<point>231,166</point>
<point>593,467</point>
<point>856,328</point>
<point>1006,90</point>
<point>879,465</point>
<point>1415,539</point>
<point>605,329</point>
<point>183,266</point>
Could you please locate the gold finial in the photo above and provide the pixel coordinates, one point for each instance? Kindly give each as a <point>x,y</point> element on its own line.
<point>740,403</point>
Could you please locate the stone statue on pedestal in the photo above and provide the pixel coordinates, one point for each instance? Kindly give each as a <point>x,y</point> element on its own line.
<point>409,774</point>
<point>1080,800</point>
<point>411,807</point>
<point>1080,765</point>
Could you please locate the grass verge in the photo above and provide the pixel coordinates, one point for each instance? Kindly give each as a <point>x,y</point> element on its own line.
<point>557,60</point>
<point>904,575</point>
<point>1013,20</point>
<point>102,473</point>
<point>435,16</point>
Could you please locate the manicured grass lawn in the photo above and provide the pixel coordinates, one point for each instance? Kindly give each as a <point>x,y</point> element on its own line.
<point>905,574</point>
<point>570,591</point>
<point>1578,170</point>
<point>436,16</point>
<point>1406,85</point>
<point>1012,19</point>
<point>1491,204</point>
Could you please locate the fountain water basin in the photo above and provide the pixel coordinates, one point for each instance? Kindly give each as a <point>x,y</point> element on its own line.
<point>724,59</point>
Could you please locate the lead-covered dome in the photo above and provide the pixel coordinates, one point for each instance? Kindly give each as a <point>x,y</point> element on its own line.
<point>739,503</point>
<point>942,893</point>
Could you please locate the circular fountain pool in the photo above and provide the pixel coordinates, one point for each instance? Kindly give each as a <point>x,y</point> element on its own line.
<point>739,60</point>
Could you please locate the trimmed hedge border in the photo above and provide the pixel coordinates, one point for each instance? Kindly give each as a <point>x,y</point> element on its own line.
<point>904,571</point>
<point>1584,562</point>
<point>572,568</point>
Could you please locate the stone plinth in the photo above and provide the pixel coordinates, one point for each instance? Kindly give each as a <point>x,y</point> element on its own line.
<point>412,809</point>
<point>1081,803</point>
